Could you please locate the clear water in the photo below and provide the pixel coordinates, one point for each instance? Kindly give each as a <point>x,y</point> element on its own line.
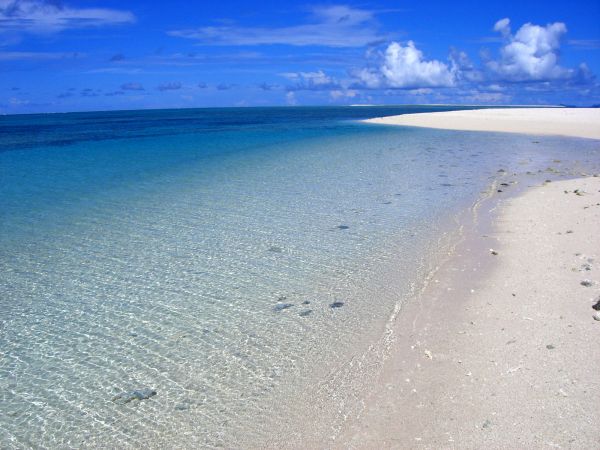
<point>156,249</point>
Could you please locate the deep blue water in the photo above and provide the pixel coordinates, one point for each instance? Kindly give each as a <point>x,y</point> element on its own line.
<point>30,131</point>
<point>197,253</point>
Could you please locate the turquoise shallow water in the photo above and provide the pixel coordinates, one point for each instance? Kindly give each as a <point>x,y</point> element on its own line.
<point>198,253</point>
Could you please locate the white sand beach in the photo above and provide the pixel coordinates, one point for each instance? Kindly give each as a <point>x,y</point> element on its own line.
<point>579,122</point>
<point>502,350</point>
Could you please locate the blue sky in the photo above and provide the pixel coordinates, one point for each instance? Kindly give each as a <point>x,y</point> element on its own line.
<point>93,55</point>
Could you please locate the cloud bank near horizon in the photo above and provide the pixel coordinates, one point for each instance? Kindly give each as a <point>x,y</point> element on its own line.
<point>310,55</point>
<point>529,57</point>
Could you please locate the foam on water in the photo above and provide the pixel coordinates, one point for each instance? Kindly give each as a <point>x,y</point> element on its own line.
<point>167,258</point>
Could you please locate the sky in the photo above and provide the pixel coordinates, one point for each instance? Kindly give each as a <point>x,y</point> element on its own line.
<point>85,55</point>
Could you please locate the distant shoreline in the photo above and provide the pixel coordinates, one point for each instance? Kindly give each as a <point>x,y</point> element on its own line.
<point>574,122</point>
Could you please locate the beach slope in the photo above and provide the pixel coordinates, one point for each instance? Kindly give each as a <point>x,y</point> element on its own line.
<point>502,349</point>
<point>577,122</point>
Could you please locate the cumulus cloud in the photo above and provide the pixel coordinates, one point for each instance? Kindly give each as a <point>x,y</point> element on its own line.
<point>169,86</point>
<point>531,54</point>
<point>43,16</point>
<point>333,26</point>
<point>404,67</point>
<point>463,69</point>
<point>132,87</point>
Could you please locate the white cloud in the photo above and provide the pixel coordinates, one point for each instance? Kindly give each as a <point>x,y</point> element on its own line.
<point>531,54</point>
<point>370,78</point>
<point>478,97</point>
<point>503,26</point>
<point>332,26</point>
<point>463,68</point>
<point>339,94</point>
<point>404,67</point>
<point>42,16</point>
<point>290,98</point>
<point>421,91</point>
<point>310,80</point>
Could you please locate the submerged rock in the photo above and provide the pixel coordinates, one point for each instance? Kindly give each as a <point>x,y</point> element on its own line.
<point>306,313</point>
<point>275,249</point>
<point>182,407</point>
<point>306,302</point>
<point>138,394</point>
<point>342,227</point>
<point>336,305</point>
<point>281,306</point>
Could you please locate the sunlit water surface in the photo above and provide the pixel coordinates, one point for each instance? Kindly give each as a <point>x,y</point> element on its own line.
<point>198,253</point>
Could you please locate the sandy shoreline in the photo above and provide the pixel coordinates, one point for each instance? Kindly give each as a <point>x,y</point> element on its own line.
<point>501,351</point>
<point>576,122</point>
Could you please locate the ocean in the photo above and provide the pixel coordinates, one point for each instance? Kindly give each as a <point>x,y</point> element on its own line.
<point>210,277</point>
